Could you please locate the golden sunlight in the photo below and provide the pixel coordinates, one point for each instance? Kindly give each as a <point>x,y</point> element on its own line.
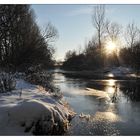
<point>111,82</point>
<point>110,46</point>
<point>110,88</point>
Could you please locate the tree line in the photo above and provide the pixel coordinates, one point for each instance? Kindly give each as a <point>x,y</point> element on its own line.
<point>22,43</point>
<point>94,55</point>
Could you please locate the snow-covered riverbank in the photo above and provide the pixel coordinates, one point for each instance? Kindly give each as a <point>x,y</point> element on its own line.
<point>30,110</point>
<point>106,73</point>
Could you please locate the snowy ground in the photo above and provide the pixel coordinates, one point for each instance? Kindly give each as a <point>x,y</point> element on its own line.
<point>121,72</point>
<point>29,109</point>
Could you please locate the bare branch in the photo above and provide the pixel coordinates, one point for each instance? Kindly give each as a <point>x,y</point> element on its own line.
<point>50,33</point>
<point>132,34</point>
<point>113,30</point>
<point>98,20</point>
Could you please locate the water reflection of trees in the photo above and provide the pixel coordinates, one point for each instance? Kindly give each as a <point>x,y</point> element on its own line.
<point>115,95</point>
<point>131,90</point>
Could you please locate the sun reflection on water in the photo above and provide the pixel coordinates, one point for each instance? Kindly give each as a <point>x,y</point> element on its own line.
<point>110,75</point>
<point>110,86</point>
<point>110,90</point>
<point>111,82</point>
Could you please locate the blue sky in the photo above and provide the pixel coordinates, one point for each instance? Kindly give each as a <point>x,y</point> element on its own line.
<point>74,23</point>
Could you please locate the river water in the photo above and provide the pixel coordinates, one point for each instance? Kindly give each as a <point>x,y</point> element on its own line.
<point>103,107</point>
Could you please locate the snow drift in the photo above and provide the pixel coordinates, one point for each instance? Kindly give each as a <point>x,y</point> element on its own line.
<point>40,118</point>
<point>34,113</point>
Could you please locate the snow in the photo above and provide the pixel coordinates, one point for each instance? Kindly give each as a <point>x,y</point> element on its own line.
<point>86,116</point>
<point>29,110</point>
<point>119,71</point>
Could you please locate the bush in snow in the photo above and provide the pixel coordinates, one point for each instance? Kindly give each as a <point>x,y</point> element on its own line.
<point>41,118</point>
<point>35,76</point>
<point>7,82</point>
<point>40,78</point>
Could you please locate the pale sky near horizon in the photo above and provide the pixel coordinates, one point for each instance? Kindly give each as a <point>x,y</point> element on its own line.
<point>74,23</point>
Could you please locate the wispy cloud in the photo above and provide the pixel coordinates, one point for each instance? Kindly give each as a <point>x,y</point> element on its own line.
<point>87,11</point>
<point>80,11</point>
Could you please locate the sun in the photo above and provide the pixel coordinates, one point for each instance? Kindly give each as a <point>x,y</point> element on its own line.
<point>110,46</point>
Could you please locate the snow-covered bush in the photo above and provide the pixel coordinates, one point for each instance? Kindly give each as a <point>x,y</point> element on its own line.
<point>7,82</point>
<point>40,118</point>
<point>19,75</point>
<point>57,93</point>
<point>33,69</point>
<point>42,78</point>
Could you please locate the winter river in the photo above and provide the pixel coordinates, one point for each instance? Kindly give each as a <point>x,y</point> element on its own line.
<point>103,107</point>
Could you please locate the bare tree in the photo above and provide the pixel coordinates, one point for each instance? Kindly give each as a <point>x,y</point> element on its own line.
<point>132,34</point>
<point>113,30</point>
<point>98,20</point>
<point>50,34</point>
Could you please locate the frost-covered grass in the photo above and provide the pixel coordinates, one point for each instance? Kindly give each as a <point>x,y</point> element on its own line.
<point>31,110</point>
